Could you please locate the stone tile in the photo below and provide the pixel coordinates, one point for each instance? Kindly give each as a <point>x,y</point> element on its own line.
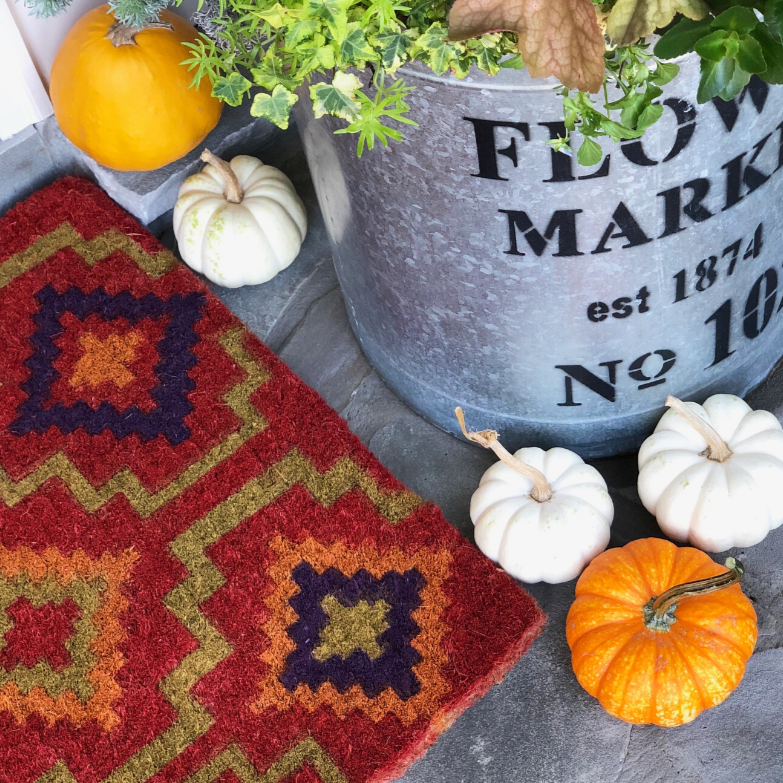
<point>149,194</point>
<point>25,166</point>
<point>322,351</point>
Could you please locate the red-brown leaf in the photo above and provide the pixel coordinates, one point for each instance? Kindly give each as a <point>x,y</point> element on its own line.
<point>556,37</point>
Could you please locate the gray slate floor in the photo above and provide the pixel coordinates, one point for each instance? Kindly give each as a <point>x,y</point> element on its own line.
<point>538,726</point>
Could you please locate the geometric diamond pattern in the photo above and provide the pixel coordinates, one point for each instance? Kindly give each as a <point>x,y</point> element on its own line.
<point>204,576</point>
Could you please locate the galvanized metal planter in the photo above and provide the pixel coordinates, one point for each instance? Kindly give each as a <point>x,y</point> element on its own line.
<point>555,304</point>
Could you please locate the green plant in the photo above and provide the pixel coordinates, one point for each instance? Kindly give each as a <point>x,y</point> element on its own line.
<point>268,49</point>
<point>734,42</point>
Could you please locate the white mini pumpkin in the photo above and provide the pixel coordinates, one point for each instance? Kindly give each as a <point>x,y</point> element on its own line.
<point>713,475</point>
<point>545,526</point>
<point>239,223</point>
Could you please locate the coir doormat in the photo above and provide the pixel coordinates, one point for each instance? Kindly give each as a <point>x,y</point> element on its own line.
<point>204,576</point>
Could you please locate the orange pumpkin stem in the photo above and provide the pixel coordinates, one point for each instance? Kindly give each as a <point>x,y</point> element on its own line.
<point>659,612</point>
<point>717,448</point>
<point>541,491</point>
<point>121,34</point>
<point>232,190</point>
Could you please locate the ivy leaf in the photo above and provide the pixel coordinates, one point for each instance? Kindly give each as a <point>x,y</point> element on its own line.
<point>315,58</point>
<point>681,38</point>
<point>713,46</point>
<point>299,31</point>
<point>750,56</point>
<point>337,98</point>
<point>275,107</point>
<point>271,73</point>
<point>630,20</point>
<point>277,16</point>
<point>555,38</point>
<point>354,49</point>
<point>394,48</point>
<point>773,55</point>
<point>231,89</point>
<point>434,47</point>
<point>589,153</point>
<point>736,19</point>
<point>333,12</point>
<point>485,53</point>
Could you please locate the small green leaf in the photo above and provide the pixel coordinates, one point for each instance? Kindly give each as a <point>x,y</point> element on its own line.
<point>712,46</point>
<point>714,78</point>
<point>275,107</point>
<point>516,63</point>
<point>231,89</point>
<point>634,106</point>
<point>773,55</point>
<point>589,153</point>
<point>739,79</point>
<point>737,18</point>
<point>649,116</point>
<point>665,72</point>
<point>354,49</point>
<point>731,45</point>
<point>681,38</point>
<point>618,132</point>
<point>750,56</point>
<point>337,98</point>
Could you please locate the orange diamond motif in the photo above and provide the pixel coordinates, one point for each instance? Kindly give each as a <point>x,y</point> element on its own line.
<point>106,360</point>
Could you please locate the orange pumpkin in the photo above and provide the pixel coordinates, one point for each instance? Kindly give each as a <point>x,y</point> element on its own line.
<point>659,633</point>
<point>123,96</point>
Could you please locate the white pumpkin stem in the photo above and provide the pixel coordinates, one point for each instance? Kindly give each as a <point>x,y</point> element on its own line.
<point>121,34</point>
<point>232,190</point>
<point>541,491</point>
<point>717,448</point>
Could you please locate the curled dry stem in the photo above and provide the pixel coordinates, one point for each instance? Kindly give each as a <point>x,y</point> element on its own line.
<point>717,448</point>
<point>541,491</point>
<point>231,187</point>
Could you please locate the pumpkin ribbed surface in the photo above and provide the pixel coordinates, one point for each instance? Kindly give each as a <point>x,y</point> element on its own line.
<point>130,107</point>
<point>666,677</point>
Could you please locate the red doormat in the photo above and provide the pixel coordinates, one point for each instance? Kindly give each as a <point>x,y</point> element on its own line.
<point>204,576</point>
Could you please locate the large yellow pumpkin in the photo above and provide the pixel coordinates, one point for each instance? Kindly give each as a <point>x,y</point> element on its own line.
<point>124,98</point>
<point>659,633</point>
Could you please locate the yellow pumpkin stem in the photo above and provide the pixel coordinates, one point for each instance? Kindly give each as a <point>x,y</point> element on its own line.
<point>121,34</point>
<point>541,491</point>
<point>232,190</point>
<point>717,448</point>
<point>659,611</point>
